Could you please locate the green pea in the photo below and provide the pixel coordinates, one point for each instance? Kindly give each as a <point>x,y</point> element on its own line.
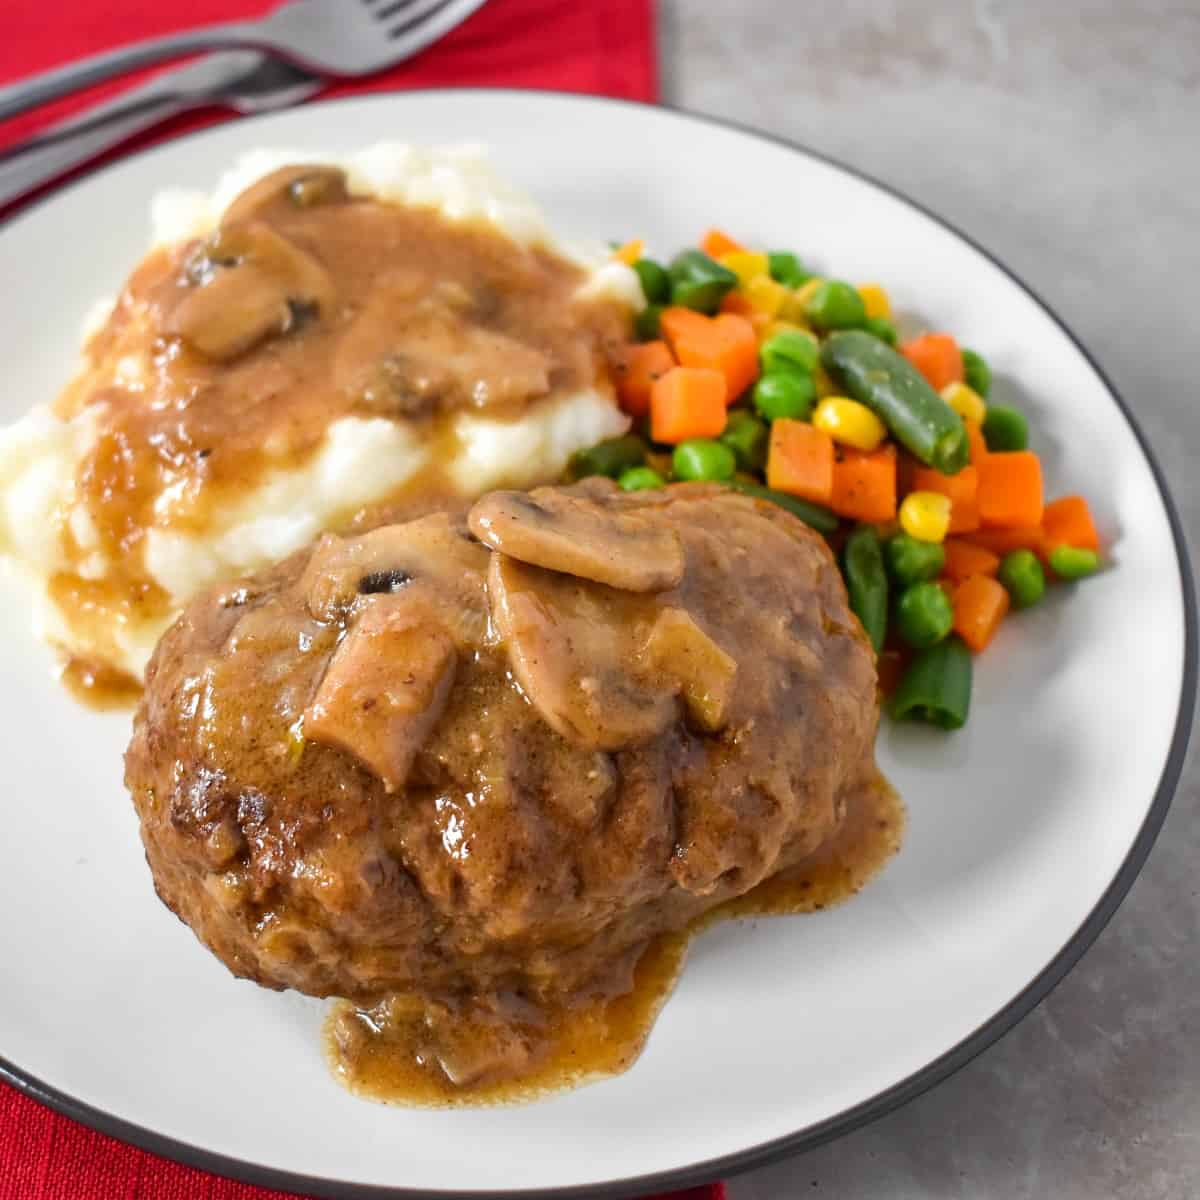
<point>703,459</point>
<point>787,269</point>
<point>609,457</point>
<point>640,479</point>
<point>977,374</point>
<point>1023,577</point>
<point>1073,562</point>
<point>699,282</point>
<point>882,328</point>
<point>790,349</point>
<point>924,615</point>
<point>836,305</point>
<point>656,283</point>
<point>746,436</point>
<point>645,324</point>
<point>911,561</point>
<point>1005,428</point>
<point>790,395</point>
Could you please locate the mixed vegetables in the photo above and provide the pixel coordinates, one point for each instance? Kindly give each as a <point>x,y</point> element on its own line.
<point>752,371</point>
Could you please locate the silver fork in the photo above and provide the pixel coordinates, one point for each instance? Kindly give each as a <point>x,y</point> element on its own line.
<point>243,80</point>
<point>325,37</point>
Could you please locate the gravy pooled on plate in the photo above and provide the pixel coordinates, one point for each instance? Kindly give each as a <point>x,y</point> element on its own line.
<point>469,775</point>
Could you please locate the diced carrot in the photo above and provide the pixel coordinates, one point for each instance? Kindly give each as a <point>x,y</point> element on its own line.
<point>636,369</point>
<point>1067,521</point>
<point>736,302</point>
<point>715,243</point>
<point>978,450</point>
<point>963,559</point>
<point>800,460</point>
<point>1010,489</point>
<point>630,252</point>
<point>687,402</point>
<point>725,343</point>
<point>979,606</point>
<point>864,485</point>
<point>676,322</point>
<point>1003,540</point>
<point>962,490</point>
<point>937,357</point>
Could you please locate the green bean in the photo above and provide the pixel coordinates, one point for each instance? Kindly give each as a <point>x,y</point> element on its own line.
<point>813,515</point>
<point>919,419</point>
<point>746,436</point>
<point>656,283</point>
<point>703,459</point>
<point>609,458</point>
<point>645,324</point>
<point>699,282</point>
<point>866,582</point>
<point>936,688</point>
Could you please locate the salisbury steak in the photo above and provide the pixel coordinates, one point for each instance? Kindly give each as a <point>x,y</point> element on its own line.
<point>500,754</point>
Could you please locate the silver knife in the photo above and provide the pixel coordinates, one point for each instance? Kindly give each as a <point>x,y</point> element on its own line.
<point>243,80</point>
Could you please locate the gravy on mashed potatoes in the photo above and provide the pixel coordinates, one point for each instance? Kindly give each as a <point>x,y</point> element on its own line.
<point>320,352</point>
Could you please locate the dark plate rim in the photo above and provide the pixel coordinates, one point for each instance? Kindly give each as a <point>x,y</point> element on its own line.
<point>891,1098</point>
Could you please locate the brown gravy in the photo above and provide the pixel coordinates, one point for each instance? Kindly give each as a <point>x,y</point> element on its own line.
<point>381,1053</point>
<point>229,357</point>
<point>100,687</point>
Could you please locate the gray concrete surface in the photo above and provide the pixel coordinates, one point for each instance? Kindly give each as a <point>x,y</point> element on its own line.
<point>1066,138</point>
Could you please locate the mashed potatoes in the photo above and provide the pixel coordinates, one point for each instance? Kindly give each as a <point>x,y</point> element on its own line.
<point>52,518</point>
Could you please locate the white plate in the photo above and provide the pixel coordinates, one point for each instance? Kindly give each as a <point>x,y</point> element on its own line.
<point>1025,829</point>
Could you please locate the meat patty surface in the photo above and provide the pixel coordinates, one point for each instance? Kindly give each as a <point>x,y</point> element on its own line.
<point>492,754</point>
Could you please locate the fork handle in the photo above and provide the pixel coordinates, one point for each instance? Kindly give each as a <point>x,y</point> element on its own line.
<point>46,158</point>
<point>39,89</point>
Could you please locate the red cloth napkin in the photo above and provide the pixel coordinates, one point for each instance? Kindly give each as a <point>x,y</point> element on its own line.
<point>601,46</point>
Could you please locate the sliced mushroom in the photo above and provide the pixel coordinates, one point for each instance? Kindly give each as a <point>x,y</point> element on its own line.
<point>572,646</point>
<point>386,686</point>
<point>681,650</point>
<point>293,187</point>
<point>250,284</point>
<point>582,536</point>
<point>434,552</point>
<point>414,346</point>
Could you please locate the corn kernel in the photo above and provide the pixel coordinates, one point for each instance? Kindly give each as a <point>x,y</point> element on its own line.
<point>795,307</point>
<point>630,252</point>
<point>925,516</point>
<point>746,264</point>
<point>765,294</point>
<point>965,401</point>
<point>825,385</point>
<point>875,300</point>
<point>791,327</point>
<point>850,423</point>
